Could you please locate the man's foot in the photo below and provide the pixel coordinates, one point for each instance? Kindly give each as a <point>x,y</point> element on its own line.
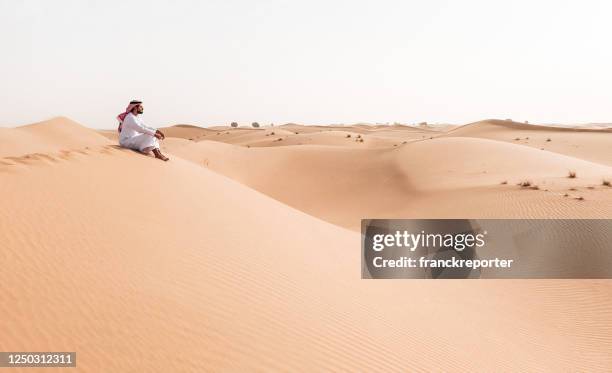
<point>159,155</point>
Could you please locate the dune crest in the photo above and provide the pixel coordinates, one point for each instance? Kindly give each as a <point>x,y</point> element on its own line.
<point>52,135</point>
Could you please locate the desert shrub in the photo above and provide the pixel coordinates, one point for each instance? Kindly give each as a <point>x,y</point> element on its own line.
<point>606,183</point>
<point>255,125</point>
<point>571,174</point>
<point>234,124</point>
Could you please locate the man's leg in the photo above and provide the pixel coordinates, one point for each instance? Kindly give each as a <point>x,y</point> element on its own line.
<point>147,149</point>
<point>159,155</point>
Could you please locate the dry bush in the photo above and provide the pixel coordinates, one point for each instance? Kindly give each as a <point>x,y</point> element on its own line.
<point>606,183</point>
<point>571,174</point>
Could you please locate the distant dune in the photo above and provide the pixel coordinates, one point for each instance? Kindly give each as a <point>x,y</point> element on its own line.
<point>586,143</point>
<point>403,173</point>
<point>241,253</point>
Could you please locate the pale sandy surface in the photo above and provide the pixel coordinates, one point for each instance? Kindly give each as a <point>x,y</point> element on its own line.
<point>400,171</point>
<point>241,253</point>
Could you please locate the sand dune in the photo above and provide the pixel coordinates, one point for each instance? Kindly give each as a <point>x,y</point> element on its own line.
<point>140,265</point>
<point>48,136</point>
<point>589,144</point>
<point>293,134</point>
<point>344,184</point>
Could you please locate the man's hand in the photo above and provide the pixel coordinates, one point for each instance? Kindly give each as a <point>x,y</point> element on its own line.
<point>159,135</point>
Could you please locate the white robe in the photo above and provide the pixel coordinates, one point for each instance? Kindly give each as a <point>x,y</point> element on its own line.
<point>136,135</point>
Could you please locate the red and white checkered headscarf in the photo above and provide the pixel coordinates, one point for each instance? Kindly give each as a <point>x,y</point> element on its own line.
<point>129,108</point>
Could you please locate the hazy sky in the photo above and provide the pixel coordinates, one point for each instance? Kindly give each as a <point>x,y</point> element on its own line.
<point>213,62</point>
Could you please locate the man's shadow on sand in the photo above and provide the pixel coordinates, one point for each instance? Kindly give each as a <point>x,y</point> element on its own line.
<point>120,148</point>
<point>128,150</point>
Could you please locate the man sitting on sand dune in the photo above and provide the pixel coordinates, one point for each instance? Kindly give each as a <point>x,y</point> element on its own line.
<point>134,134</point>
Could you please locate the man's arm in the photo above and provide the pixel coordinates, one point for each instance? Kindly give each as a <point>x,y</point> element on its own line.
<point>157,133</point>
<point>131,122</point>
<point>149,129</point>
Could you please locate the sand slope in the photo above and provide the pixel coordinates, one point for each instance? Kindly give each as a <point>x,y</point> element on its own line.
<point>140,265</point>
<point>48,136</point>
<point>589,144</point>
<point>418,179</point>
<point>358,136</point>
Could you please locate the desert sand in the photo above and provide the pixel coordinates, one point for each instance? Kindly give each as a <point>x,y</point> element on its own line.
<point>243,252</point>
